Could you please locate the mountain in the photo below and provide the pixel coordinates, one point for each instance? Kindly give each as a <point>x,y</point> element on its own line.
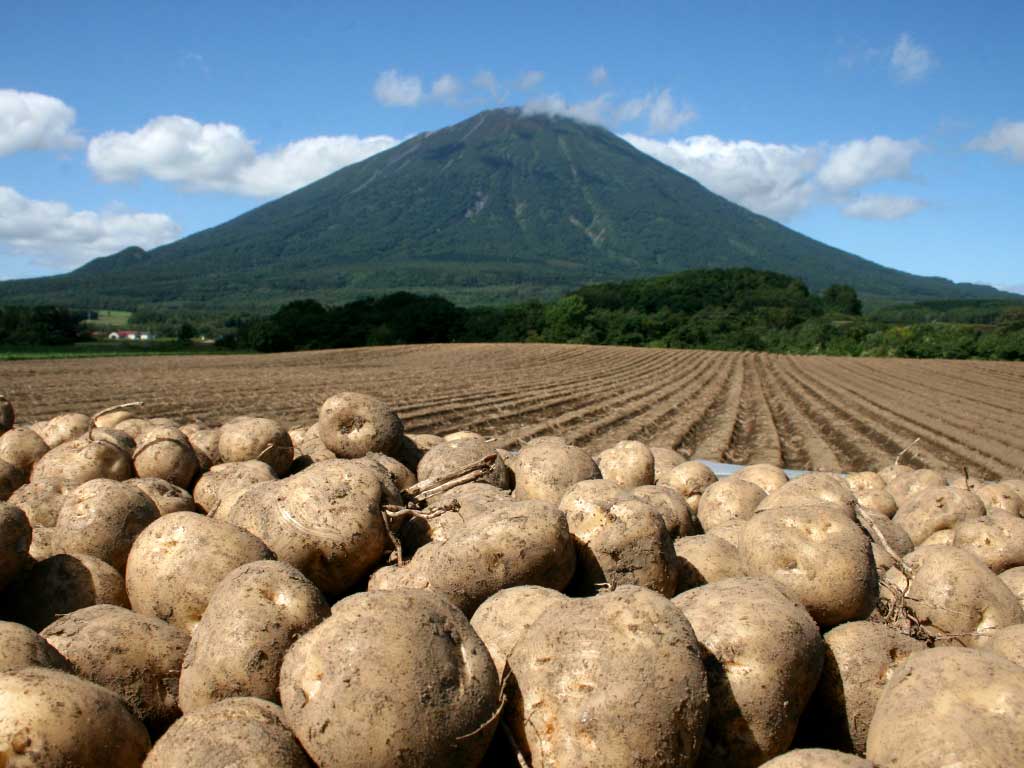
<point>504,206</point>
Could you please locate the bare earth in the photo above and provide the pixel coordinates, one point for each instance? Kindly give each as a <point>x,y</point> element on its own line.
<point>739,407</point>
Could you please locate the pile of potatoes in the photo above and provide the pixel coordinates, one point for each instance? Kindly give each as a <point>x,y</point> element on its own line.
<point>193,595</point>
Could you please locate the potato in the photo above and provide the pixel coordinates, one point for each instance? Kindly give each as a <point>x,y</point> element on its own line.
<point>817,758</point>
<point>936,509</point>
<point>252,618</point>
<point>137,657</point>
<point>206,446</point>
<point>40,501</point>
<point>111,419</point>
<point>11,479</point>
<point>22,448</point>
<point>474,499</point>
<point>78,461</point>
<point>679,519</point>
<point>133,426</point>
<point>177,562</point>
<point>879,502</point>
<point>20,647</point>
<point>52,718</point>
<point>1008,642</point>
<point>352,425</point>
<point>954,593</point>
<point>819,555</point>
<point>15,541</point>
<point>628,463</point>
<point>166,453</point>
<point>732,531</point>
<point>61,584</point>
<point>313,447</point>
<point>1015,484</point>
<point>255,439</point>
<point>400,474</point>
<point>665,459</point>
<point>909,484</point>
<point>812,489</point>
<point>63,428</point>
<point>546,468</point>
<point>6,414</point>
<point>391,678</point>
<point>729,499</point>
<point>767,477</point>
<point>763,655</point>
<point>950,706</point>
<point>997,539</point>
<point>167,497</point>
<point>448,457</point>
<point>860,657</point>
<point>706,559</point>
<point>116,437</point>
<point>241,731</point>
<point>691,478</point>
<point>102,518</point>
<point>861,482</point>
<point>504,617</point>
<point>612,680</point>
<point>999,497</point>
<point>222,480</point>
<point>1014,579</point>
<point>892,471</point>
<point>893,535</point>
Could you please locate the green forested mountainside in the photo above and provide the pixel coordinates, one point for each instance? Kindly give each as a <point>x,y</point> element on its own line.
<point>503,207</point>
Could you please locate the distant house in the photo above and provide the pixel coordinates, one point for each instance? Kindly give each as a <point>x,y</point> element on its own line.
<point>129,336</point>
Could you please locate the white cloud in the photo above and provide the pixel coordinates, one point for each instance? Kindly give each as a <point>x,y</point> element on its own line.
<point>633,109</point>
<point>1004,137</point>
<point>396,90</point>
<point>54,235</point>
<point>598,75</point>
<point>664,117</point>
<point>910,61</point>
<point>445,88</point>
<point>531,79</point>
<point>883,207</point>
<point>485,80</point>
<point>864,161</point>
<point>220,157</point>
<point>594,111</point>
<point>35,121</point>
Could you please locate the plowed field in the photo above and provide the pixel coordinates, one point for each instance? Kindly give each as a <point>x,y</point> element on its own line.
<point>738,407</point>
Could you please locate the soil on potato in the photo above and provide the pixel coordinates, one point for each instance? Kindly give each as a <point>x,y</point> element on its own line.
<point>742,407</point>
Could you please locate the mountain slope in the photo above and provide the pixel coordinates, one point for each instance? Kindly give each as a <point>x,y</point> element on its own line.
<point>503,206</point>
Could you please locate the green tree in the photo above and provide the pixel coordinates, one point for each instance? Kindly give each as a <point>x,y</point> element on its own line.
<point>842,299</point>
<point>186,332</point>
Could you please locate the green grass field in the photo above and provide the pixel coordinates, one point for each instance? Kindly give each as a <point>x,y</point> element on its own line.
<point>113,319</point>
<point>110,349</point>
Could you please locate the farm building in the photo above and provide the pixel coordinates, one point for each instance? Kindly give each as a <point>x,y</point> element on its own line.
<point>129,336</point>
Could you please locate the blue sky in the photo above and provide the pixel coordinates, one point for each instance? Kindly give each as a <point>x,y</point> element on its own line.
<point>895,131</point>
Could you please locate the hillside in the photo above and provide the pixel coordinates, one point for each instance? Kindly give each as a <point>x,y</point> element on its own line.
<point>501,207</point>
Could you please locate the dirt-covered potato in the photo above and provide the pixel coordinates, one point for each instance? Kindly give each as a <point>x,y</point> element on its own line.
<point>997,539</point>
<point>40,501</point>
<point>763,655</point>
<point>352,425</point>
<point>860,657</point>
<point>950,707</point>
<point>137,657</point>
<point>11,479</point>
<point>706,559</point>
<point>819,555</point>
<point>52,718</point>
<point>1008,642</point>
<point>767,477</point>
<point>817,758</point>
<point>954,595</point>
<point>167,497</point>
<point>908,484</point>
<point>133,426</point>
<point>111,419</point>
<point>882,528</point>
<point>447,457</point>
<point>78,461</point>
<point>880,502</point>
<point>732,531</point>
<point>861,482</point>
<point>6,414</point>
<point>473,499</point>
<point>728,499</point>
<point>611,680</point>
<point>1000,497</point>
<point>177,562</point>
<point>1014,579</point>
<point>391,678</point>
<point>936,509</point>
<point>503,618</point>
<point>22,448</point>
<point>255,439</point>
<point>548,467</point>
<point>67,426</point>
<point>812,489</point>
<point>665,459</point>
<point>679,519</point>
<point>690,478</point>
<point>325,521</point>
<point>224,480</point>
<point>165,453</point>
<point>20,647</point>
<point>103,518</point>
<point>206,446</point>
<point>1015,484</point>
<point>252,618</point>
<point>61,584</point>
<point>234,732</point>
<point>15,542</point>
<point>402,476</point>
<point>628,463</point>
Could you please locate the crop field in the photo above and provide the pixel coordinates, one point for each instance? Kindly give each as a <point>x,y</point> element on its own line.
<point>798,412</point>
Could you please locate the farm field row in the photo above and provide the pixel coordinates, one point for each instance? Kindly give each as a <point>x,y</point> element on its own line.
<point>738,407</point>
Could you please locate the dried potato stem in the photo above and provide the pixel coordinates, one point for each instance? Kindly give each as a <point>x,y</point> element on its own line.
<point>105,411</point>
<point>900,454</point>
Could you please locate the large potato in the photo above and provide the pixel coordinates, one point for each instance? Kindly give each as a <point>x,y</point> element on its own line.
<point>954,594</point>
<point>1014,579</point>
<point>450,456</point>
<point>679,519</point>
<point>473,499</point>
<point>137,657</point>
<point>1008,642</point>
<point>612,680</point>
<point>628,463</point>
<point>936,509</point>
<point>548,467</point>
<point>252,618</point>
<point>40,501</point>
<point>103,518</point>
<point>52,718</point>
<point>767,477</point>
<point>812,489</point>
<point>503,618</point>
<point>235,732</point>
<point>909,484</point>
<point>879,502</point>
<point>206,446</point>
<point>11,479</point>
<point>166,496</point>
<point>256,439</point>
<point>177,562</point>
<point>62,584</point>
<point>391,678</point>
<point>817,758</point>
<point>763,655</point>
<point>861,482</point>
<point>728,499</point>
<point>15,542</point>
<point>352,425</point>
<point>997,540</point>
<point>706,559</point>
<point>63,428</point>
<point>690,478</point>
<point>819,555</point>
<point>950,707</point>
<point>665,459</point>
<point>165,453</point>
<point>78,461</point>
<point>224,480</point>
<point>22,448</point>
<point>20,647</point>
<point>1000,497</point>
